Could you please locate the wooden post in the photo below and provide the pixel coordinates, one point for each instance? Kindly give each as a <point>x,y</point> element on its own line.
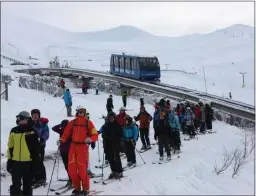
<point>6,91</point>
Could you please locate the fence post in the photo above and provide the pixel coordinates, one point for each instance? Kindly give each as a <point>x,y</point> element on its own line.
<point>6,91</point>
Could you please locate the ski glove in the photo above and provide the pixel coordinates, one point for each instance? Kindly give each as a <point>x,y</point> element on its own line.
<point>155,137</point>
<point>59,142</point>
<point>42,141</point>
<point>70,103</point>
<point>93,145</point>
<point>88,140</point>
<point>9,165</point>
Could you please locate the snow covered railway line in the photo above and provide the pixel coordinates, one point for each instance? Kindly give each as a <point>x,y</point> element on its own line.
<point>212,97</point>
<point>227,106</point>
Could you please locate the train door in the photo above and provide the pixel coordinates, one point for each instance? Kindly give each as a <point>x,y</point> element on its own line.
<point>116,62</point>
<point>121,62</point>
<point>112,64</point>
<point>127,66</point>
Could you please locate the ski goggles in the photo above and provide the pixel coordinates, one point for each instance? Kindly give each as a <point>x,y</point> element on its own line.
<point>19,118</point>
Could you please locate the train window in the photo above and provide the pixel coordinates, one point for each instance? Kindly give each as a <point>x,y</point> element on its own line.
<point>116,61</point>
<point>121,61</point>
<point>127,63</point>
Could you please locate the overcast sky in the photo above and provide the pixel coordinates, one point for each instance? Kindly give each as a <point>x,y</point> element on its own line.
<point>159,18</point>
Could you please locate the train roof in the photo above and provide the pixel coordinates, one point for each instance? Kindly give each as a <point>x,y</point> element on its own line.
<point>132,56</point>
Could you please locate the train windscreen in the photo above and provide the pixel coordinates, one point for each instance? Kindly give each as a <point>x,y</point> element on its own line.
<point>148,62</point>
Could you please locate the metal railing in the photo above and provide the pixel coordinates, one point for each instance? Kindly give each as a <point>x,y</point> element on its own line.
<point>40,85</point>
<point>5,81</point>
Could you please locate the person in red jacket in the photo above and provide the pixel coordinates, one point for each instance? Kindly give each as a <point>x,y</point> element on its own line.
<point>62,83</point>
<point>84,88</point>
<point>144,117</point>
<point>121,120</point>
<point>121,117</point>
<point>197,116</point>
<point>82,133</point>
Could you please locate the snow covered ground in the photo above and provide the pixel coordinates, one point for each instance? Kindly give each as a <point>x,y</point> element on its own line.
<point>224,53</point>
<point>192,173</point>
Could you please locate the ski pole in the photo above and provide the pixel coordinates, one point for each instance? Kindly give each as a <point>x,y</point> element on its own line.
<point>103,159</point>
<point>138,152</point>
<point>58,167</point>
<point>98,150</point>
<point>52,172</point>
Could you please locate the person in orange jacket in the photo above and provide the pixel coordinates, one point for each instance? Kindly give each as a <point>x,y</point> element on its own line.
<point>82,133</point>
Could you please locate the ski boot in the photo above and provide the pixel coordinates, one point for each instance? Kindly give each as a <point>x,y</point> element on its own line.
<point>112,175</point>
<point>148,147</point>
<point>75,192</point>
<point>84,193</point>
<point>119,175</point>
<point>129,164</point>
<point>143,148</point>
<point>169,158</point>
<point>161,158</point>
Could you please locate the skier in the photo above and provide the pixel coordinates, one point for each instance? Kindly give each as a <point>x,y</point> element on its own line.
<point>142,101</point>
<point>230,96</point>
<point>189,120</point>
<point>62,83</point>
<point>64,148</point>
<point>162,134</point>
<point>100,132</point>
<point>202,117</point>
<point>109,105</point>
<point>84,88</point>
<point>209,116</point>
<point>112,134</point>
<point>22,161</point>
<point>124,98</point>
<point>42,129</point>
<point>181,118</point>
<point>197,116</point>
<point>68,102</point>
<point>97,90</point>
<point>168,105</point>
<point>93,145</point>
<point>144,117</point>
<point>82,133</point>
<point>175,131</point>
<point>130,137</point>
<point>121,119</point>
<point>156,117</point>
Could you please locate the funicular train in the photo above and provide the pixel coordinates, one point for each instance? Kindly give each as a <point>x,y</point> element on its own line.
<point>135,67</point>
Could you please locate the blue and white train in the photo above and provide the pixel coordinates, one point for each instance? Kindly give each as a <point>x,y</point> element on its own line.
<point>135,67</point>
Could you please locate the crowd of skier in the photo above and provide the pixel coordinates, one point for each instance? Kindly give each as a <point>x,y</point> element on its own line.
<point>120,133</point>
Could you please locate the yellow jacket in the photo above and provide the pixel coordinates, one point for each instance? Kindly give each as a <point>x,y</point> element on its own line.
<point>23,144</point>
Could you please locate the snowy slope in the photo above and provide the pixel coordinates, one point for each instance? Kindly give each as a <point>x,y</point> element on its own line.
<point>192,173</point>
<point>224,53</point>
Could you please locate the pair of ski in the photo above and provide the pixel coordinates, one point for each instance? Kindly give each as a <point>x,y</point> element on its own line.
<point>160,162</point>
<point>107,180</point>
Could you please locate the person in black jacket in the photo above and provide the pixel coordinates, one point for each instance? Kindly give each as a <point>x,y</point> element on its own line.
<point>23,155</point>
<point>112,134</point>
<point>162,133</point>
<point>209,116</point>
<point>109,105</point>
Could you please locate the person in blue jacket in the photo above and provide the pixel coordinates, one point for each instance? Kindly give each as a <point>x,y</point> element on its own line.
<point>175,131</point>
<point>42,129</point>
<point>100,132</point>
<point>130,137</point>
<point>68,102</point>
<point>156,117</point>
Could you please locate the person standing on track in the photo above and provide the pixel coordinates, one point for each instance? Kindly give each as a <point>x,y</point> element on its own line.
<point>82,133</point>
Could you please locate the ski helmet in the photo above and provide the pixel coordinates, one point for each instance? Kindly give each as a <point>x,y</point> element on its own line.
<point>22,116</point>
<point>64,123</point>
<point>122,108</point>
<point>129,119</point>
<point>80,107</point>
<point>35,111</point>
